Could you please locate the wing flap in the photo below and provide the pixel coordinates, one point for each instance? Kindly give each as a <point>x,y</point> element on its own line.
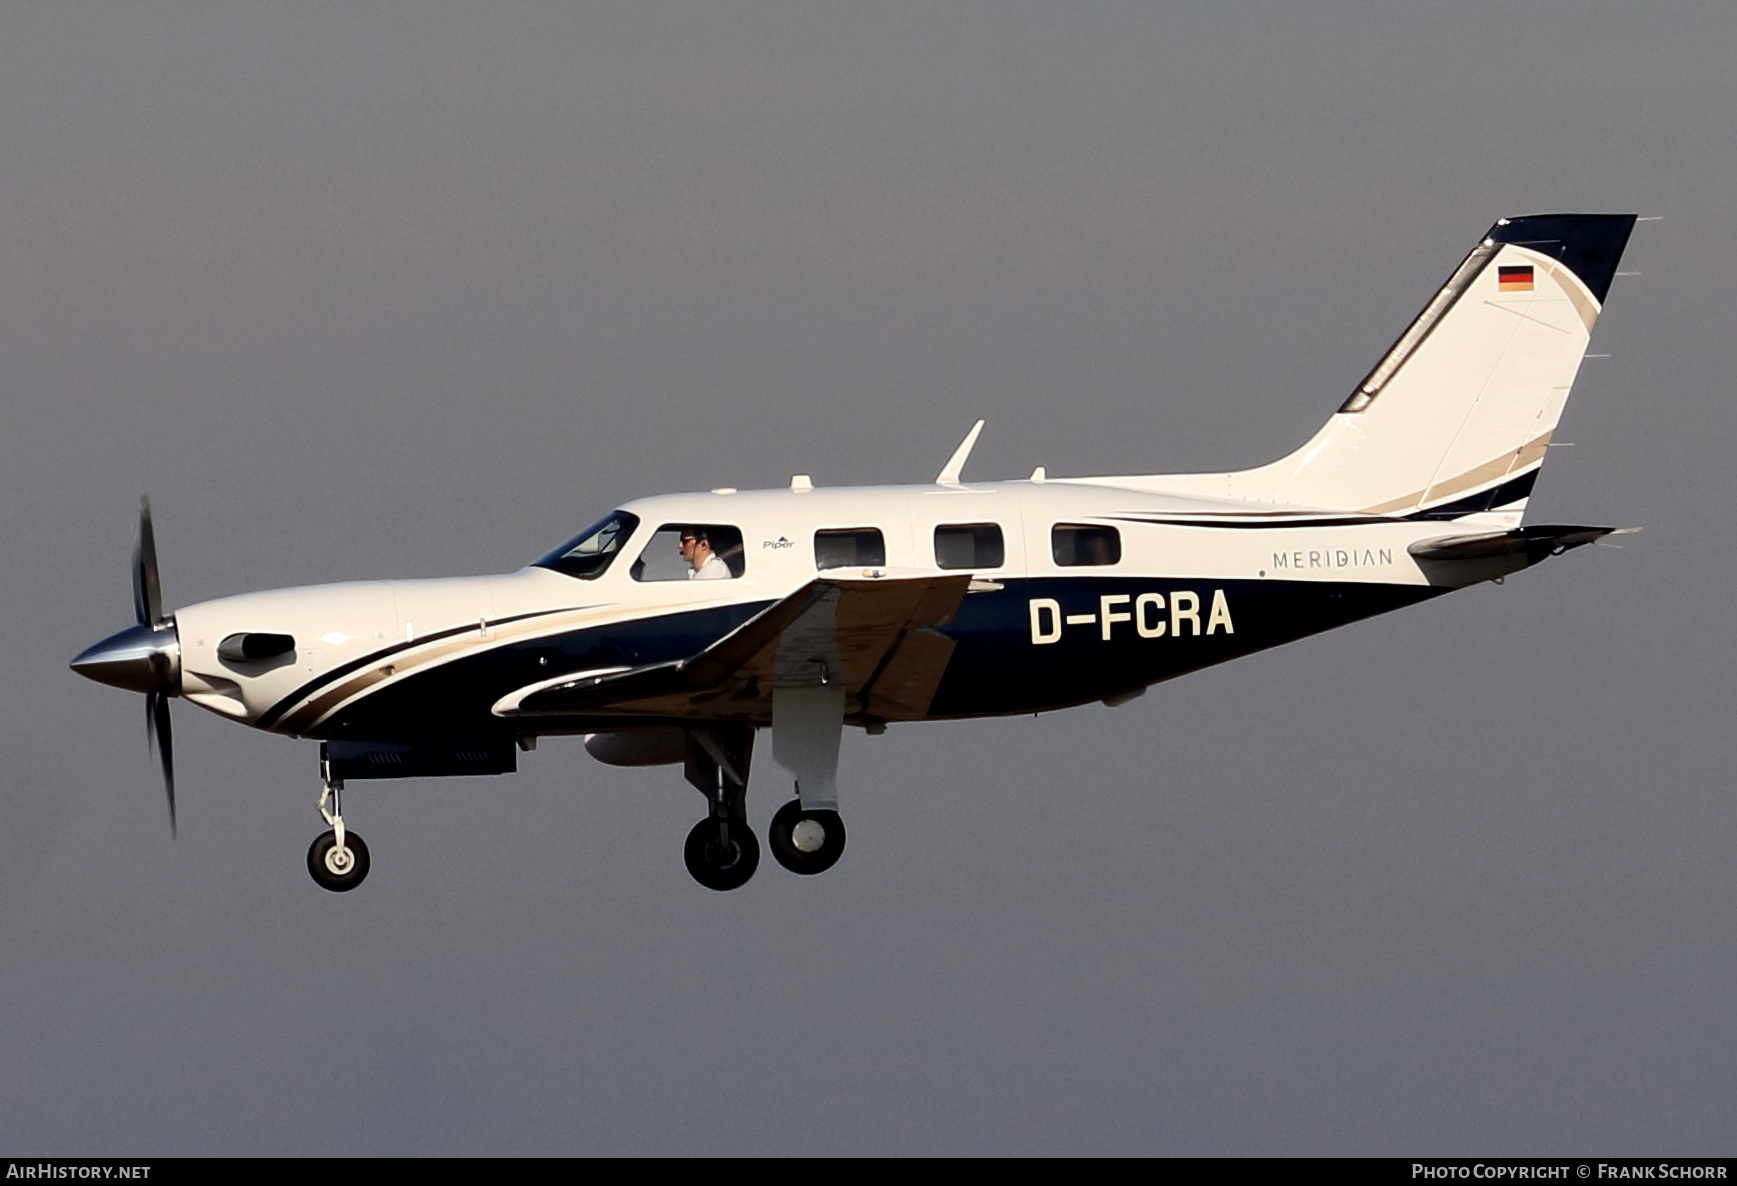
<point>906,683</point>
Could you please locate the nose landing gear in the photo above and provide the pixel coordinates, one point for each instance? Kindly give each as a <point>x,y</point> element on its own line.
<point>338,867</point>
<point>337,860</point>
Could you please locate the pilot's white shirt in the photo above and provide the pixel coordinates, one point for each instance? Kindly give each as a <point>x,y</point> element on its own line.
<point>714,569</point>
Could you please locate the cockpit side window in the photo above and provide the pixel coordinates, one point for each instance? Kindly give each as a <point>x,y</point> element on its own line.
<point>589,554</point>
<point>691,552</point>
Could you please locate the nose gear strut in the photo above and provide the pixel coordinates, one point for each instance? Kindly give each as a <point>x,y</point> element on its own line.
<point>337,860</point>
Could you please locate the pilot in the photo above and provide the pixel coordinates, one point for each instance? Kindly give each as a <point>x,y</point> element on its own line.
<point>703,563</point>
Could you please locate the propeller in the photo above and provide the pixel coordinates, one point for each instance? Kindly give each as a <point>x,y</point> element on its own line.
<point>163,742</point>
<point>147,586</point>
<point>148,606</point>
<point>145,657</point>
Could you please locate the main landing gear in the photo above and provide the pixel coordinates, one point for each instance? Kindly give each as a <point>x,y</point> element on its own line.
<point>721,852</point>
<point>806,842</point>
<point>337,860</point>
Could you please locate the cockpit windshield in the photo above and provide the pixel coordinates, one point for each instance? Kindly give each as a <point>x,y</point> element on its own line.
<point>590,553</point>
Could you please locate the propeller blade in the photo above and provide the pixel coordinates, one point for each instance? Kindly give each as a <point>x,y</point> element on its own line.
<point>147,587</point>
<point>163,743</point>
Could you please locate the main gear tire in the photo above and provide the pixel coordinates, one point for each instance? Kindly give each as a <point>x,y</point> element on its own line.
<point>722,861</point>
<point>806,842</point>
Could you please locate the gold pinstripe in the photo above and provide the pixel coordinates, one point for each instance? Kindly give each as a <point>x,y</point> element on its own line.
<point>1501,467</point>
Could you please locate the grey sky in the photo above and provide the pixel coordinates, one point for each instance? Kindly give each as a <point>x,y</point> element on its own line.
<point>421,289</point>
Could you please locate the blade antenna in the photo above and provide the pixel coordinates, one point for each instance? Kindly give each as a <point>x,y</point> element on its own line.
<point>949,475</point>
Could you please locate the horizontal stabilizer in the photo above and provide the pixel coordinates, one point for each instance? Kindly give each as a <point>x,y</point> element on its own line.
<point>1535,542</point>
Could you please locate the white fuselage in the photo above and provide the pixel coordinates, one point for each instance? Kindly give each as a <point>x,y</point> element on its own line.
<point>1191,556</point>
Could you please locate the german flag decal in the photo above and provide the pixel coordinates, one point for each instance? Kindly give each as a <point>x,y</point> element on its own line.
<point>1514,278</point>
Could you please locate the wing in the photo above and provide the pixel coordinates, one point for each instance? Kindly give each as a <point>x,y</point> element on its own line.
<point>878,636</point>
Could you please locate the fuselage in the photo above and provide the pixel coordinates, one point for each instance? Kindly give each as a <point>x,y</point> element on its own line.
<point>1081,591</point>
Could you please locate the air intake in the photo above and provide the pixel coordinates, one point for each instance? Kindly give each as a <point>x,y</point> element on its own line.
<point>255,647</point>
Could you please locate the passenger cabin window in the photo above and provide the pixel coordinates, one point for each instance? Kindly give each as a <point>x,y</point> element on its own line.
<point>589,554</point>
<point>1076,545</point>
<point>691,552</point>
<point>970,545</point>
<point>850,547</point>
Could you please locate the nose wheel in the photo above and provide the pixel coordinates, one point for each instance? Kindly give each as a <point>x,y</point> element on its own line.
<point>338,860</point>
<point>806,842</point>
<point>338,867</point>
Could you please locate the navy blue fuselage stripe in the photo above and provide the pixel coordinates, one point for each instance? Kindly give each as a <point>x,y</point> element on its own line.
<point>996,667</point>
<point>457,697</point>
<point>277,710</point>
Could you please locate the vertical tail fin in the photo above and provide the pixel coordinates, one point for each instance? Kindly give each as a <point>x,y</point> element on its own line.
<point>1454,419</point>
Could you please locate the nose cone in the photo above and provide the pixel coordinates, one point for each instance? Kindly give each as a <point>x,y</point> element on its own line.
<point>137,659</point>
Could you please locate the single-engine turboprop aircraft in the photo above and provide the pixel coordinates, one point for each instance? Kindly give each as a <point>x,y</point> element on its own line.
<point>818,609</point>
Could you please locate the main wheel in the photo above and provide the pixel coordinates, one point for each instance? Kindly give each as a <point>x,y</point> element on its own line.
<point>334,868</point>
<point>806,842</point>
<point>722,862</point>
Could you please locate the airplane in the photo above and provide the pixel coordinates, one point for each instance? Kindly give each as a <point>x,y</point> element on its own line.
<point>817,609</point>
